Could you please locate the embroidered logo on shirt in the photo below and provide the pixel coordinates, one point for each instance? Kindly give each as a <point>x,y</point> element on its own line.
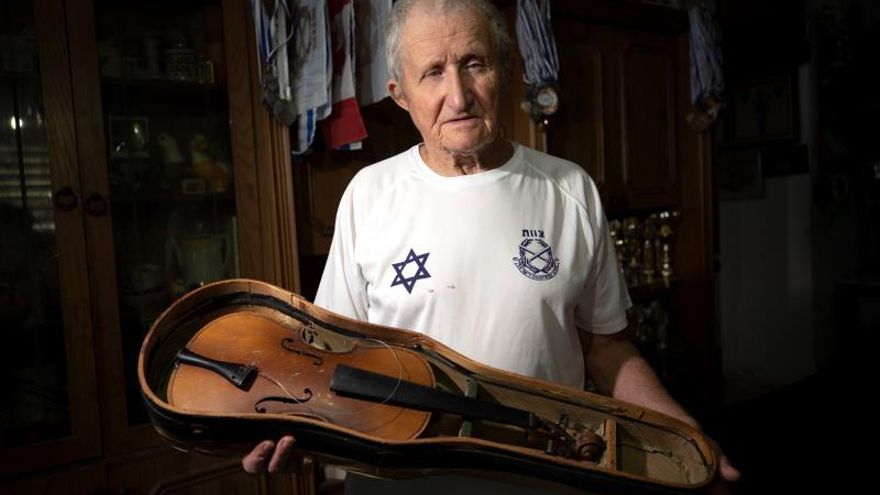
<point>536,259</point>
<point>408,282</point>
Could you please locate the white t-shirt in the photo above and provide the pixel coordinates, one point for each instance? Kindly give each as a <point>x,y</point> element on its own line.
<point>503,266</point>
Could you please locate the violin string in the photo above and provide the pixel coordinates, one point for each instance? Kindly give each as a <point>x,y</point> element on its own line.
<point>396,385</point>
<point>281,386</point>
<point>400,371</point>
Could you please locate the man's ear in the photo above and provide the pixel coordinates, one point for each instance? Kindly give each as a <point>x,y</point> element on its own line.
<point>397,95</point>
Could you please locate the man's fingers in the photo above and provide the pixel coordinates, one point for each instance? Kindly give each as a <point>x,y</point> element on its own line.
<point>727,471</point>
<point>283,453</point>
<point>255,461</point>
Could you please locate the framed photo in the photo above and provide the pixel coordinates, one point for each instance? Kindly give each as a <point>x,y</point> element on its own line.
<point>193,186</point>
<point>129,137</point>
<point>786,160</point>
<point>118,137</point>
<point>762,110</point>
<point>738,175</point>
<point>139,129</point>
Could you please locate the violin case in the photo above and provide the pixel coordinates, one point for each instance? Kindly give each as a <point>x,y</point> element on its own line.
<point>240,361</point>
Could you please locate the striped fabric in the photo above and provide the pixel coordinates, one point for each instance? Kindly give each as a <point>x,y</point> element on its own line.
<point>372,71</point>
<point>536,43</point>
<point>313,71</point>
<point>304,83</point>
<point>262,31</point>
<point>344,127</point>
<point>707,76</point>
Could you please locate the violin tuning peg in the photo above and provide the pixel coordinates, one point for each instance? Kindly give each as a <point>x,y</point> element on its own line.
<point>563,420</point>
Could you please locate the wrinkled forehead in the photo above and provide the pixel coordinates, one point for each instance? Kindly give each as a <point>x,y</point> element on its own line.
<point>430,24</point>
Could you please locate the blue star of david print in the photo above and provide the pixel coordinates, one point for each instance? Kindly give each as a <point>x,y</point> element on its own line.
<point>410,282</point>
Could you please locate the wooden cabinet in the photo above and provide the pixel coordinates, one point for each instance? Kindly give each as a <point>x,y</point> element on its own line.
<point>139,163</point>
<point>49,413</point>
<point>624,100</point>
<point>619,115</point>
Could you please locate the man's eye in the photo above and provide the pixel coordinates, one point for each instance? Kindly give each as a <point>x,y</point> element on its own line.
<point>475,65</point>
<point>433,73</point>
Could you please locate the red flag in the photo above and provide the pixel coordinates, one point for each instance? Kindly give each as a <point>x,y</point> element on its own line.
<point>344,126</point>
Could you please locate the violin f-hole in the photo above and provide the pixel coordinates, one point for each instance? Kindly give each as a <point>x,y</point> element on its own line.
<point>283,400</point>
<point>288,344</point>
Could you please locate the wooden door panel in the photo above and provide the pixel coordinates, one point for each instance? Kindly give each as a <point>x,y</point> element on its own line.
<point>649,159</point>
<point>49,414</point>
<point>178,473</point>
<point>196,181</point>
<point>84,480</point>
<point>578,130</point>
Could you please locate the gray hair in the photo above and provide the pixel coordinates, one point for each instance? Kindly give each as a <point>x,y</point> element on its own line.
<point>401,10</point>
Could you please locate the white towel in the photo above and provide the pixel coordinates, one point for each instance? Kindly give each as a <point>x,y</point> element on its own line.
<point>372,70</point>
<point>311,68</point>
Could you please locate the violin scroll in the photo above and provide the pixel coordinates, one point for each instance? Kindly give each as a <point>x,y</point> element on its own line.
<point>590,446</point>
<point>577,442</point>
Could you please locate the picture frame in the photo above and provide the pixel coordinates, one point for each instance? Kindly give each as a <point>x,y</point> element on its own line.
<point>786,160</point>
<point>118,136</point>
<point>193,186</point>
<point>762,110</point>
<point>738,175</point>
<point>139,129</point>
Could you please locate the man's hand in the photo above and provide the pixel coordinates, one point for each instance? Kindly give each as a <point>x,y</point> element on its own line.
<point>270,457</point>
<point>726,472</point>
<point>619,370</point>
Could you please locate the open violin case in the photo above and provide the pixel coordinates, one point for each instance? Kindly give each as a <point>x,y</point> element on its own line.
<point>240,361</point>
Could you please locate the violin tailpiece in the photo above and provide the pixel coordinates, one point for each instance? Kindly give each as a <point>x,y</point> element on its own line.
<point>240,375</point>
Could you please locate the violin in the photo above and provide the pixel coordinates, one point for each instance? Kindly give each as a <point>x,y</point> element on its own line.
<point>238,361</point>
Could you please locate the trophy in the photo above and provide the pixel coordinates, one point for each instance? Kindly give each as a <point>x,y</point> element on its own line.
<point>632,250</point>
<point>649,251</point>
<point>614,231</point>
<point>668,222</point>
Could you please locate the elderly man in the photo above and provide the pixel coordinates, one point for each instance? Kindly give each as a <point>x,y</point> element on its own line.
<point>494,249</point>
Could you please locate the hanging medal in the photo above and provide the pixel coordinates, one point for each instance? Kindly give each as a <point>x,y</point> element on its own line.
<point>540,61</point>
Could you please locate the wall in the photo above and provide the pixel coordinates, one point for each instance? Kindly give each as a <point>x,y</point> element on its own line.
<point>766,288</point>
<point>765,283</point>
<point>781,255</point>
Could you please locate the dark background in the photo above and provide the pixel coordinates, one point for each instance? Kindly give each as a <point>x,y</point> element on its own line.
<point>798,263</point>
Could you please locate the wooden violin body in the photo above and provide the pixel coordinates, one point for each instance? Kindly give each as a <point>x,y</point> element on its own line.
<point>240,361</point>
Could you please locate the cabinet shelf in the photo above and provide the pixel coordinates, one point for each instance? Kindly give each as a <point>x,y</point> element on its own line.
<point>19,75</point>
<point>159,196</point>
<point>654,290</point>
<point>163,84</point>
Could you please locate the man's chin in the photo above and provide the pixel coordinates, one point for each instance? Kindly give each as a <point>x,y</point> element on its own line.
<point>467,146</point>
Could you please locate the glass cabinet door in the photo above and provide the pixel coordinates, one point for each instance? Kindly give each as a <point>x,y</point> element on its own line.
<point>48,411</point>
<point>166,123</point>
<point>162,217</point>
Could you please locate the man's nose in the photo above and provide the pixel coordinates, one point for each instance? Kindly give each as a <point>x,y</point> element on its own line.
<point>458,91</point>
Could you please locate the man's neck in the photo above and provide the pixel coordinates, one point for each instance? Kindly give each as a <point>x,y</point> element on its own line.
<point>449,164</point>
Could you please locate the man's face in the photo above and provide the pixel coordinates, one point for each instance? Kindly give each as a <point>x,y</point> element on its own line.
<point>449,80</point>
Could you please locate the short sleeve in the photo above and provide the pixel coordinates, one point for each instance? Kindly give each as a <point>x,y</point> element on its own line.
<point>605,299</point>
<point>343,289</point>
